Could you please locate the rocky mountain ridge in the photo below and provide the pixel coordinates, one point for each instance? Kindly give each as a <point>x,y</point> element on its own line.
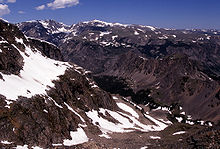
<point>168,66</point>
<point>47,103</point>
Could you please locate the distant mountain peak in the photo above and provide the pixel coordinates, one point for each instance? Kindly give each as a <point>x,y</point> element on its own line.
<point>103,23</point>
<point>3,20</point>
<point>51,26</point>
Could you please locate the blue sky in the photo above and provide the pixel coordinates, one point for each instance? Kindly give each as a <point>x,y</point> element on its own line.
<point>160,13</point>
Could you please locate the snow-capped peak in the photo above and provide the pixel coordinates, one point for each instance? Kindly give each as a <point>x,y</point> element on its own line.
<point>102,23</point>
<point>4,20</point>
<point>51,26</point>
<point>55,27</point>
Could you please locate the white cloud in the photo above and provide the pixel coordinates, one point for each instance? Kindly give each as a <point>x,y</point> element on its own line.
<point>11,1</point>
<point>21,12</point>
<point>58,4</point>
<point>41,7</point>
<point>4,9</point>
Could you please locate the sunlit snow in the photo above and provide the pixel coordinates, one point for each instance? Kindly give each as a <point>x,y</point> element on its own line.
<point>6,142</point>
<point>126,123</point>
<point>155,137</point>
<point>22,147</point>
<point>35,77</point>
<point>78,137</point>
<point>71,109</point>
<point>127,109</point>
<point>178,133</point>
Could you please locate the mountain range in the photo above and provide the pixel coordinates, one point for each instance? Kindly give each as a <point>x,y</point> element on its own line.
<point>108,85</point>
<point>169,66</point>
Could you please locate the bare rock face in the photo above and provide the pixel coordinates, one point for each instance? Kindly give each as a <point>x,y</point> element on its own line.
<point>48,49</point>
<point>11,61</point>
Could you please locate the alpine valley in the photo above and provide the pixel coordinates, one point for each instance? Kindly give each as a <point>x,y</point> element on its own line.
<point>98,85</point>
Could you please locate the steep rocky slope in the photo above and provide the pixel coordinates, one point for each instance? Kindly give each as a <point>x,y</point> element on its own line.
<point>46,103</point>
<point>35,110</point>
<point>151,65</point>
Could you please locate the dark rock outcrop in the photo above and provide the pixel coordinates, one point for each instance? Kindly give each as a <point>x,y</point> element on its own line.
<point>48,49</point>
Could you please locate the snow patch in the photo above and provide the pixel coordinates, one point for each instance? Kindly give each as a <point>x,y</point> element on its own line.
<point>140,30</point>
<point>105,136</point>
<point>114,97</point>
<point>36,147</point>
<point>127,109</point>
<point>183,113</point>
<point>105,125</point>
<point>103,24</point>
<point>166,122</point>
<point>155,137</point>
<point>189,122</point>
<point>143,58</point>
<point>126,123</point>
<point>56,104</point>
<point>104,33</point>
<point>161,108</point>
<point>78,137</point>
<point>6,142</point>
<point>136,33</point>
<point>57,144</point>
<point>22,147</point>
<point>62,30</point>
<point>152,28</point>
<point>179,119</point>
<point>45,24</point>
<point>113,37</point>
<point>208,37</point>
<point>4,20</point>
<point>19,40</point>
<point>179,133</point>
<point>163,37</point>
<point>35,77</point>
<point>71,109</point>
<point>45,111</point>
<point>4,41</point>
<point>51,29</point>
<point>160,126</point>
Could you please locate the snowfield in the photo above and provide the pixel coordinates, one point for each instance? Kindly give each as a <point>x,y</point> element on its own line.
<point>36,76</point>
<point>124,122</point>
